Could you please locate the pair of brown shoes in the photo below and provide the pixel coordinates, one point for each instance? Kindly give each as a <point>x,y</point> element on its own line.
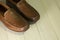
<point>17,15</point>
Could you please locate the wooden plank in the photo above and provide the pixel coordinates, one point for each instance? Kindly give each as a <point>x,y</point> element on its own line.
<point>3,33</point>
<point>55,19</point>
<point>45,26</point>
<point>32,33</point>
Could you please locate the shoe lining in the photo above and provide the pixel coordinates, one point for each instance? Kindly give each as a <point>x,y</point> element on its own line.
<point>16,1</point>
<point>2,9</point>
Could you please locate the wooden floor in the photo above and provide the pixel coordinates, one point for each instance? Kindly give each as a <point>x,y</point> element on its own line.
<point>47,28</point>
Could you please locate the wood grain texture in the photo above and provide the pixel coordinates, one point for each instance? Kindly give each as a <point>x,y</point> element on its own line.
<point>47,28</point>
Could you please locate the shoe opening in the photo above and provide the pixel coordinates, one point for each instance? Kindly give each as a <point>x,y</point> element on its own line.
<point>16,1</point>
<point>2,9</point>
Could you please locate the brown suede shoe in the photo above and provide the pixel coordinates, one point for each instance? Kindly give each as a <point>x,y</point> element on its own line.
<point>12,19</point>
<point>22,7</point>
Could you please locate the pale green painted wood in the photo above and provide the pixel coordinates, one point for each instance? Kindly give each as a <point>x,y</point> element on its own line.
<point>47,28</point>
